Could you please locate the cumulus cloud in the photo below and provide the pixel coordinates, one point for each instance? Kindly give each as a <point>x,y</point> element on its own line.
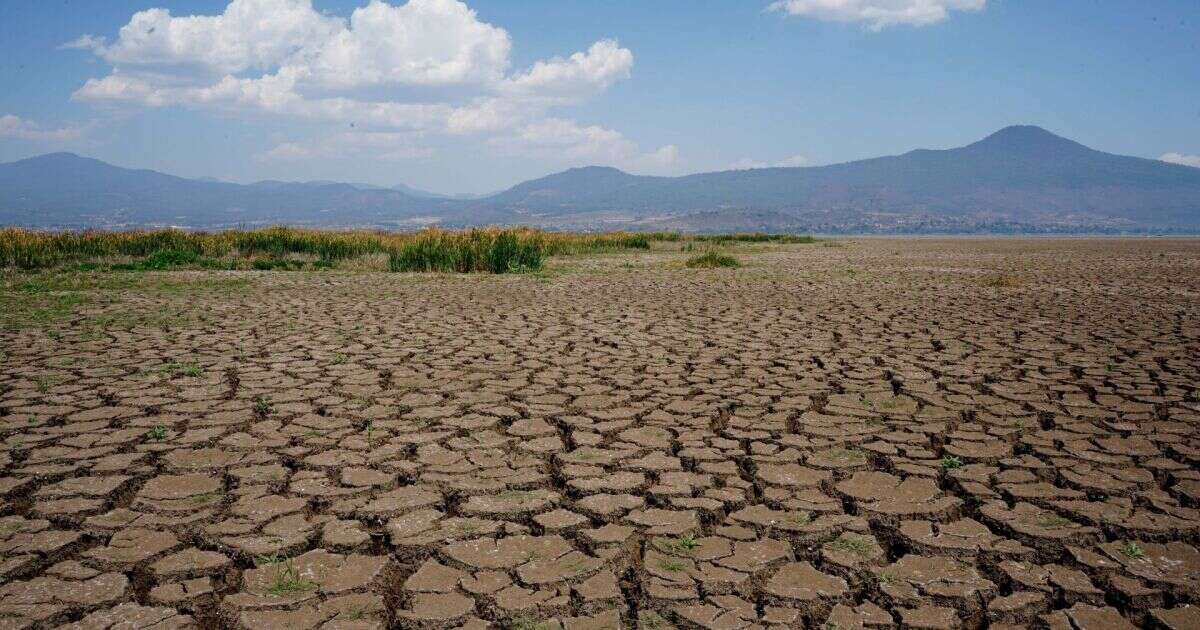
<point>12,126</point>
<point>575,141</point>
<point>428,65</point>
<point>877,14</point>
<point>423,42</point>
<point>258,34</point>
<point>580,74</point>
<point>747,163</point>
<point>567,141</point>
<point>1181,158</point>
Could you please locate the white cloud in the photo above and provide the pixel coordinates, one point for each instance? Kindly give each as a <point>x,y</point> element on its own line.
<point>12,126</point>
<point>565,136</point>
<point>285,152</point>
<point>429,65</point>
<point>662,161</point>
<point>259,34</point>
<point>381,145</point>
<point>571,144</point>
<point>579,75</point>
<point>423,42</point>
<point>1181,158</point>
<point>747,163</point>
<point>877,14</point>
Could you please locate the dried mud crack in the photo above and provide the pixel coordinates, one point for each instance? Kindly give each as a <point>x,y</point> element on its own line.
<point>785,445</point>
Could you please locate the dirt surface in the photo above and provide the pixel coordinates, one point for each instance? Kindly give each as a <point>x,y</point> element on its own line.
<point>934,433</point>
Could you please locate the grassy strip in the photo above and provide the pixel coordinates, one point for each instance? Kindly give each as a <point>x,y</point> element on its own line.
<point>492,249</point>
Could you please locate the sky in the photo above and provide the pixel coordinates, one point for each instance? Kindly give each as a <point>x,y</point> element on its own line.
<point>474,97</point>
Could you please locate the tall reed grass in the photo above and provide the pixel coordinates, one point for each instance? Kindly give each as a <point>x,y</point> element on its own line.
<point>494,250</point>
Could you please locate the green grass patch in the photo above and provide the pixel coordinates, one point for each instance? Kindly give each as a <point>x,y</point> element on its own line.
<point>1133,550</point>
<point>679,546</point>
<point>712,260</point>
<point>185,369</point>
<point>288,581</point>
<point>951,462</point>
<point>488,251</point>
<point>856,545</point>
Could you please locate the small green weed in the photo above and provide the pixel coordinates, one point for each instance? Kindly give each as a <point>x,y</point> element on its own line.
<point>271,558</point>
<point>263,408</point>
<point>681,546</point>
<point>158,432</point>
<point>204,498</point>
<point>950,462</point>
<point>860,547</point>
<point>673,566</point>
<point>1050,520</point>
<point>288,580</point>
<point>185,369</point>
<point>1133,550</point>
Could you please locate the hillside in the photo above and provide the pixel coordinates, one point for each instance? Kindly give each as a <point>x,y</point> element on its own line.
<point>1019,179</point>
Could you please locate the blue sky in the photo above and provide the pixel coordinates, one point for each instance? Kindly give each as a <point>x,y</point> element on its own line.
<point>475,97</point>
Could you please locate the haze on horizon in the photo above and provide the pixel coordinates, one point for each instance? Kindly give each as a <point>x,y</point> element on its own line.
<point>474,97</point>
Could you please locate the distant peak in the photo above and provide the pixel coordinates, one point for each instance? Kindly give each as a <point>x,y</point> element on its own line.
<point>1025,137</point>
<point>595,169</point>
<point>56,157</point>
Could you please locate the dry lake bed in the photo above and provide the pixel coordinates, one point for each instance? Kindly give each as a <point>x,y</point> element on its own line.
<point>859,433</point>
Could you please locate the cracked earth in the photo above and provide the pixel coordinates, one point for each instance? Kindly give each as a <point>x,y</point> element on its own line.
<point>871,435</point>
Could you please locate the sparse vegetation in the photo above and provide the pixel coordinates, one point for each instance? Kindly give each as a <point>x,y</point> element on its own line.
<point>288,580</point>
<point>651,620</point>
<point>680,546</point>
<point>1133,550</point>
<point>851,455</point>
<point>849,543</point>
<point>185,369</point>
<point>738,237</point>
<point>672,566</point>
<point>204,498</point>
<point>950,462</point>
<point>712,260</point>
<point>526,623</point>
<point>1001,281</point>
<point>263,408</point>
<point>1050,520</point>
<point>158,432</point>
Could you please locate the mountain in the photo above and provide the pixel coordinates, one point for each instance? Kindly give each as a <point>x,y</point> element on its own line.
<point>66,190</point>
<point>1019,179</point>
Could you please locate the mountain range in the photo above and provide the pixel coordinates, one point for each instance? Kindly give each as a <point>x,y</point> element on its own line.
<point>1021,179</point>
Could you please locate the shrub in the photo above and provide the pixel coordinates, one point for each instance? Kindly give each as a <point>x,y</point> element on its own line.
<point>1001,281</point>
<point>493,251</point>
<point>167,258</point>
<point>712,260</point>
